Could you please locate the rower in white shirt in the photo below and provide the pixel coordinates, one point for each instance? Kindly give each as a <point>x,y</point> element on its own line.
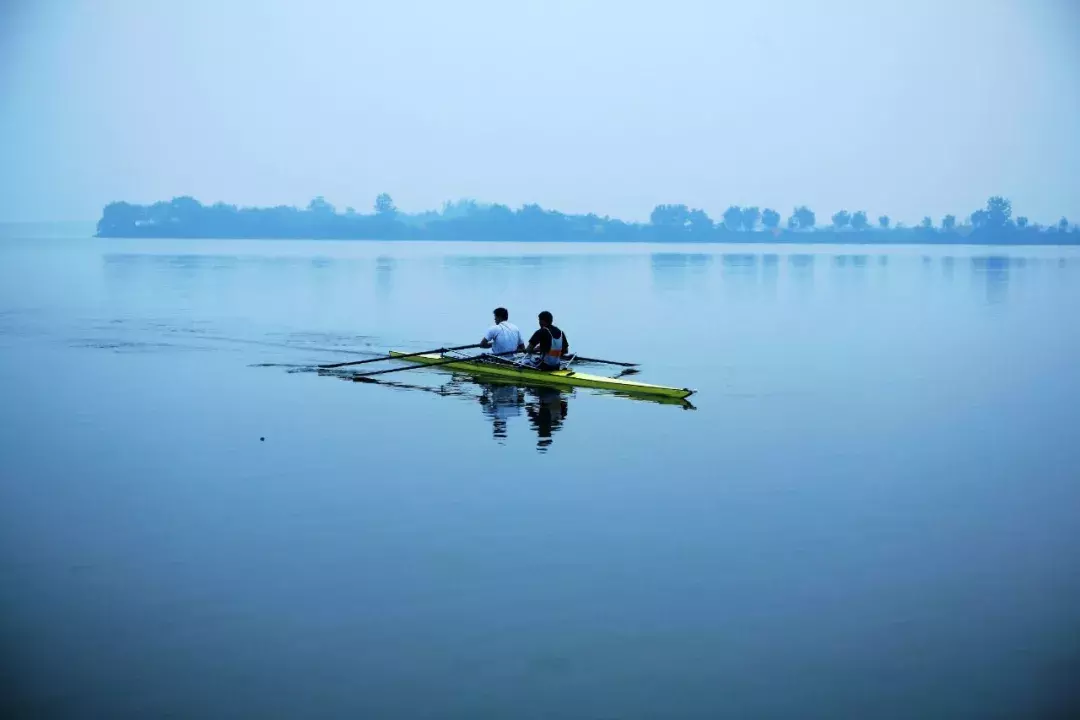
<point>503,337</point>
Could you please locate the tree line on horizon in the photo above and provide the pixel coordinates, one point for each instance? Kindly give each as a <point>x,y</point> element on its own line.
<point>186,217</point>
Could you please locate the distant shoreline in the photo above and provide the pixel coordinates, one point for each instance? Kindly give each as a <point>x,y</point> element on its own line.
<point>818,238</point>
<point>468,221</point>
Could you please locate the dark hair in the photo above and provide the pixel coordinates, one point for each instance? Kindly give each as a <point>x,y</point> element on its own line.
<point>502,314</point>
<point>545,316</point>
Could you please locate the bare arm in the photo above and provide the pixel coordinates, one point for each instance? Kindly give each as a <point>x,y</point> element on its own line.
<point>489,337</point>
<point>531,348</point>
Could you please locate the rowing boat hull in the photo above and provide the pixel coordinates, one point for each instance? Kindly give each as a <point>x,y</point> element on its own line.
<point>555,377</point>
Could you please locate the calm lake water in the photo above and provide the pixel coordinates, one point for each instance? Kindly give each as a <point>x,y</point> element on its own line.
<point>872,510</point>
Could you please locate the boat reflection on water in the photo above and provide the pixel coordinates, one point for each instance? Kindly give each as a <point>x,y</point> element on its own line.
<point>546,407</point>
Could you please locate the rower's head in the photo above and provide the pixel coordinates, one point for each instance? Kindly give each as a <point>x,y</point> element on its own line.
<point>545,319</point>
<point>501,315</point>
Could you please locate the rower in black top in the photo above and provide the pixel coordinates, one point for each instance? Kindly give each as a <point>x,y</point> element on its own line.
<point>550,341</point>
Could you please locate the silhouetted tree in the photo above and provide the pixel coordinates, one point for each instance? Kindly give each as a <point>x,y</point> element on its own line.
<point>120,219</point>
<point>841,219</point>
<point>948,223</point>
<point>770,218</point>
<point>320,205</point>
<point>750,217</point>
<point>185,206</point>
<point>998,212</point>
<point>1063,225</point>
<point>461,208</point>
<point>536,223</point>
<point>927,223</point>
<point>350,211</point>
<point>859,220</point>
<point>503,214</point>
<point>733,218</point>
<point>384,204</point>
<point>670,216</point>
<point>699,222</point>
<point>883,222</point>
<point>980,219</point>
<point>802,218</point>
<point>1021,222</point>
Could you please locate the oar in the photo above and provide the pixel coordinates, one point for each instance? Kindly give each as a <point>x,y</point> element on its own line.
<point>582,358</point>
<point>361,376</point>
<point>394,357</point>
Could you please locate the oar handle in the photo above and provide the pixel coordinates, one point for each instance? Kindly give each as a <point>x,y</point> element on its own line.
<point>394,357</point>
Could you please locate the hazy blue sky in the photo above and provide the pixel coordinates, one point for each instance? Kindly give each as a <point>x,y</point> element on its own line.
<point>908,108</point>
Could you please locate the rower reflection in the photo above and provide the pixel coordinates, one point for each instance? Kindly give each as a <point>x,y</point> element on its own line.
<point>545,407</point>
<point>500,403</point>
<point>546,414</point>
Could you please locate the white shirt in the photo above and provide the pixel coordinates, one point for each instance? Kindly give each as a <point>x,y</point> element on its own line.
<point>504,337</point>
